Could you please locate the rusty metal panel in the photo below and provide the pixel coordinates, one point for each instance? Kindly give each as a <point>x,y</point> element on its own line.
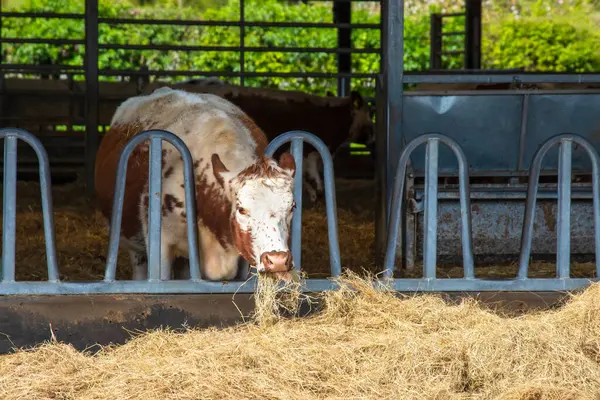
<point>486,127</point>
<point>497,228</point>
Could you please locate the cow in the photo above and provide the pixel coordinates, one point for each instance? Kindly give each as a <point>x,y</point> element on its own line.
<point>337,121</point>
<point>244,199</point>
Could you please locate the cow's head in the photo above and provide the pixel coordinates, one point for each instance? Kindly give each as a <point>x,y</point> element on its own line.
<point>262,206</point>
<point>362,129</point>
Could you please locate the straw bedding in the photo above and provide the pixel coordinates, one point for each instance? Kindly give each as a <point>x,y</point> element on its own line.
<point>364,344</point>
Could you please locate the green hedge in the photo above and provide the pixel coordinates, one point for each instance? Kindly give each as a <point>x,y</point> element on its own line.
<point>527,42</point>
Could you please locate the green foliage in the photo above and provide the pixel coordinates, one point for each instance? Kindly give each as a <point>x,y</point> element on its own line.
<point>542,45</point>
<point>559,44</point>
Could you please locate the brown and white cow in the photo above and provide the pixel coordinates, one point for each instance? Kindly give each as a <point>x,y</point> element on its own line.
<point>335,120</point>
<point>244,199</point>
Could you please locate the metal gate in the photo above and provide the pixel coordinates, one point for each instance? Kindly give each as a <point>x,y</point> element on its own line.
<point>153,285</point>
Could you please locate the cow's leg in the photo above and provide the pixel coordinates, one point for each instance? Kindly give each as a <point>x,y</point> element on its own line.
<point>312,176</point>
<point>139,262</point>
<point>166,254</point>
<point>217,263</point>
<point>181,268</point>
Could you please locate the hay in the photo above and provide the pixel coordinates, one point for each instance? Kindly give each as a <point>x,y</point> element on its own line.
<point>364,344</point>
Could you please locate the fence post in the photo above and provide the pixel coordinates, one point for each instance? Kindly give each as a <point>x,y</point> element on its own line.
<point>156,137</point>
<point>11,136</point>
<point>297,138</point>
<point>563,247</point>
<point>431,201</point>
<point>91,92</point>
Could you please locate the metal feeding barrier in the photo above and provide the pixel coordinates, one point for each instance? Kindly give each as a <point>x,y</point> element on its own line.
<point>430,282</point>
<point>153,285</point>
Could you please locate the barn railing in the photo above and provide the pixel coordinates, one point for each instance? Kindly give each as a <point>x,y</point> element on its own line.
<point>430,282</point>
<point>154,285</point>
<point>298,138</point>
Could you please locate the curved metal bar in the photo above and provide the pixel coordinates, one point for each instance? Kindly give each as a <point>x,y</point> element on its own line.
<point>297,137</point>
<point>430,231</point>
<point>10,196</point>
<point>190,200</point>
<point>563,245</point>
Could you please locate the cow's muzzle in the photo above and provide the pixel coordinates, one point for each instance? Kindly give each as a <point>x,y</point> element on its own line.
<point>276,261</point>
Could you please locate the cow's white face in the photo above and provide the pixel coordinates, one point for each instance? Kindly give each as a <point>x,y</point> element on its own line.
<point>262,209</point>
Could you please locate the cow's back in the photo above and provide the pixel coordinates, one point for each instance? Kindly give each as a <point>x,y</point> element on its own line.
<point>206,123</point>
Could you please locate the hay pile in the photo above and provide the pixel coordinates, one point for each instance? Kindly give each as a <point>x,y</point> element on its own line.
<point>364,344</point>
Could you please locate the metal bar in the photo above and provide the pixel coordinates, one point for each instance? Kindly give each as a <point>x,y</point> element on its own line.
<point>11,136</point>
<point>42,41</point>
<point>254,49</point>
<point>501,78</point>
<point>381,169</point>
<point>311,285</point>
<point>247,74</point>
<point>9,203</point>
<point>396,207</point>
<point>435,39</point>
<point>249,24</point>
<point>10,14</point>
<point>393,78</point>
<point>430,227</point>
<point>473,34</point>
<point>91,91</point>
<point>534,175</point>
<point>524,119</point>
<point>242,41</point>
<point>154,217</point>
<point>563,226</point>
<point>26,67</point>
<point>342,13</point>
<point>297,149</point>
<point>117,209</point>
<point>329,182</point>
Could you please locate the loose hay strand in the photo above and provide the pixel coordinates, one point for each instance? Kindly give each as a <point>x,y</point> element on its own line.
<point>366,343</point>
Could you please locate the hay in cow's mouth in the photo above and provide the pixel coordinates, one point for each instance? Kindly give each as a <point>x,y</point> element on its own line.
<point>364,344</point>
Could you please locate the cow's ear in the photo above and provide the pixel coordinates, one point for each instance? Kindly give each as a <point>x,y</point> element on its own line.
<point>287,162</point>
<point>357,100</point>
<point>218,168</point>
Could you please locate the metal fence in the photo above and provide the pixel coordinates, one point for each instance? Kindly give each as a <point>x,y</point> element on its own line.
<point>153,284</point>
<point>76,143</point>
<point>195,284</point>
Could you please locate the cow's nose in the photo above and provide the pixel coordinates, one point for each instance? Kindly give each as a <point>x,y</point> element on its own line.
<point>276,261</point>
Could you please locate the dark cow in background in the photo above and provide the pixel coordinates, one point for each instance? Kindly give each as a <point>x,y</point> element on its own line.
<point>337,121</point>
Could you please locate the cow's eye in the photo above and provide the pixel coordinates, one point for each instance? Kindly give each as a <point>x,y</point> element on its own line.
<point>242,211</point>
<point>293,205</point>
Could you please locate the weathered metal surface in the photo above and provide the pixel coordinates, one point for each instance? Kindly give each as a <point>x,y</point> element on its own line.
<point>86,321</point>
<point>497,228</point>
<point>103,319</point>
<point>489,128</point>
<point>570,113</point>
